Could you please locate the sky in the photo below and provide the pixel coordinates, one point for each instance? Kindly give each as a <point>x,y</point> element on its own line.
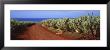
<point>51,13</point>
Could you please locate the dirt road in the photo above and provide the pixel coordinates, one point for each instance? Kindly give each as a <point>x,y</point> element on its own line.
<point>38,32</point>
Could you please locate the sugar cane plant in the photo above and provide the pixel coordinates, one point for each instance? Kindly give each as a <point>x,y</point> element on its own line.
<point>17,26</point>
<point>84,25</point>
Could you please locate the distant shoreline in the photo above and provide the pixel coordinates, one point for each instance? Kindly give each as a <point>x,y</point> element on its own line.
<point>33,19</point>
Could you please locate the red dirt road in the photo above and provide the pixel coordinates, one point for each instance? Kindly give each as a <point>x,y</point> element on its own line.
<point>38,32</point>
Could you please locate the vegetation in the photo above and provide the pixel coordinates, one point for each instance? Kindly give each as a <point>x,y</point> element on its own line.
<point>18,27</point>
<point>88,26</point>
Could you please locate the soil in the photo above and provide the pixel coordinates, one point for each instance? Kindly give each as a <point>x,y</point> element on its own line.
<point>38,32</point>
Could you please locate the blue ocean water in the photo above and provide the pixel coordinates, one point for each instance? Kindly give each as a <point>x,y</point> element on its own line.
<point>30,19</point>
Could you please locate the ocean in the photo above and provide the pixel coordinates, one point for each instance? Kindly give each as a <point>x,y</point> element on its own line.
<point>30,19</point>
<point>33,19</point>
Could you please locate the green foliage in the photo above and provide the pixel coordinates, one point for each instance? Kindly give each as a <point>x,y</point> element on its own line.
<point>17,26</point>
<point>17,23</point>
<point>84,24</point>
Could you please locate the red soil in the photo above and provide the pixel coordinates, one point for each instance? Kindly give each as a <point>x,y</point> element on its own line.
<point>38,32</point>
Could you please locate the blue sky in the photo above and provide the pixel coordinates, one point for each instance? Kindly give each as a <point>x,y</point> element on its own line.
<point>51,13</point>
